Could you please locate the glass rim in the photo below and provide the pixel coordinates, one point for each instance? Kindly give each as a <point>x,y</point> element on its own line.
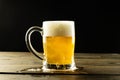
<point>58,21</point>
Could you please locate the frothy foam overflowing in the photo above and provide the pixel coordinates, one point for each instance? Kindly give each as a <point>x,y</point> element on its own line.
<point>58,28</point>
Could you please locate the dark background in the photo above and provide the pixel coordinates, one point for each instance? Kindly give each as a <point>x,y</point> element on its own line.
<point>96,23</point>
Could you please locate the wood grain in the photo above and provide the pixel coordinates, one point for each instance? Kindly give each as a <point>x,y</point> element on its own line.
<point>100,66</point>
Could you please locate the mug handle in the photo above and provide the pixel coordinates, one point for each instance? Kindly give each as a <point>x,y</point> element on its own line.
<point>28,40</point>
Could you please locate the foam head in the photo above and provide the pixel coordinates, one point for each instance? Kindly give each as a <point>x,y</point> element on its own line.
<point>58,28</point>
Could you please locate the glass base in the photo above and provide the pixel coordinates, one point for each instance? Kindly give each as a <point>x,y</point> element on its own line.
<point>52,67</point>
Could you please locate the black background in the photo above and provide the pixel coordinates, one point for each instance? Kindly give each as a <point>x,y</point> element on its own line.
<point>96,23</point>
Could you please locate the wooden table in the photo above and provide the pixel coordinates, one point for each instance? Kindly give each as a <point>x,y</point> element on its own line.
<point>100,66</point>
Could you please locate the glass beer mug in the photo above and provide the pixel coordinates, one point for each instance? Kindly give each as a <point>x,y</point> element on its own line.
<point>58,39</point>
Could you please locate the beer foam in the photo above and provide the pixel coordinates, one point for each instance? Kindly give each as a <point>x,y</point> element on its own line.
<point>58,28</point>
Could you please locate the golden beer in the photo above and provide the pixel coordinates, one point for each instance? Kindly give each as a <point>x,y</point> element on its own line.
<point>59,49</point>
